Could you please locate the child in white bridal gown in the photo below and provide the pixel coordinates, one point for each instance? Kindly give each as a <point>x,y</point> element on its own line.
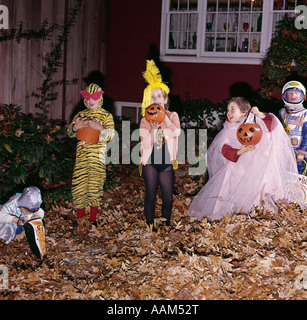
<point>244,177</point>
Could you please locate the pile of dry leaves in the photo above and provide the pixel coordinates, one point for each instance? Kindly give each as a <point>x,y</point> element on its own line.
<point>259,256</point>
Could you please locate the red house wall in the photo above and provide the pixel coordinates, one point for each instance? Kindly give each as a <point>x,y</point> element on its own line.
<point>135,36</point>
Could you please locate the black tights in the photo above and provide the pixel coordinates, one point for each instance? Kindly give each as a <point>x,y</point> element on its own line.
<point>155,175</point>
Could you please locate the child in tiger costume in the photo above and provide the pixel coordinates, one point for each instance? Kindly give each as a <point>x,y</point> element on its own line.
<point>90,170</point>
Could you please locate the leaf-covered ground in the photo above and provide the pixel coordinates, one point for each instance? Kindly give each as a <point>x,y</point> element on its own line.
<point>259,256</point>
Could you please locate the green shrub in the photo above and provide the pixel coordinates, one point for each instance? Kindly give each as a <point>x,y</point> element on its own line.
<point>286,58</point>
<point>31,151</point>
<point>202,113</point>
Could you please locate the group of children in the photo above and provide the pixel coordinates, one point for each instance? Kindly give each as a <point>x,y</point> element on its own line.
<point>241,177</point>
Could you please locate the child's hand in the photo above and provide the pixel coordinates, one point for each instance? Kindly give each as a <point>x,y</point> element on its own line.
<point>96,125</point>
<point>80,123</point>
<point>299,157</point>
<point>154,125</point>
<point>244,149</point>
<point>18,221</point>
<point>257,113</point>
<point>15,220</point>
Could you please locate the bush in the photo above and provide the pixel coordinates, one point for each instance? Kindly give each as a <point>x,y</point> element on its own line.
<point>202,113</point>
<point>31,151</point>
<point>286,58</point>
<point>35,152</point>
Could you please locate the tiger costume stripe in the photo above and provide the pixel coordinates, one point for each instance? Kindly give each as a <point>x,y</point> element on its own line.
<point>89,172</point>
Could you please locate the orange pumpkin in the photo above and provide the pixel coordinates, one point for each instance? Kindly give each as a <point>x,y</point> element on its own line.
<point>155,113</point>
<point>249,134</point>
<point>88,134</point>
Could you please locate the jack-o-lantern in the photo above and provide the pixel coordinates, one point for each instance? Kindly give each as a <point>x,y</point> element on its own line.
<point>155,113</point>
<point>249,134</point>
<point>88,134</point>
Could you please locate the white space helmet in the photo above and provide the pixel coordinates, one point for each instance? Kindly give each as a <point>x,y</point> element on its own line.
<point>30,198</point>
<point>288,96</point>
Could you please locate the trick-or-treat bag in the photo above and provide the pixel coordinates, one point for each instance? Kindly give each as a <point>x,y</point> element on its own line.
<point>35,233</point>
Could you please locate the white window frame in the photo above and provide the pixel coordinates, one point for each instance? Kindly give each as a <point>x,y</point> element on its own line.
<point>118,106</point>
<point>198,55</point>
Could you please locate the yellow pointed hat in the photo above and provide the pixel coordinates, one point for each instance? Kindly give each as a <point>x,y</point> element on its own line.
<point>92,88</point>
<point>154,79</point>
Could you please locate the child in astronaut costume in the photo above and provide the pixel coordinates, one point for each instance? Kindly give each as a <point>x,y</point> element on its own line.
<point>19,209</point>
<point>294,119</point>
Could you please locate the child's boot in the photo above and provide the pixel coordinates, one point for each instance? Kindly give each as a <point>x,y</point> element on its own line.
<point>80,213</point>
<point>93,215</point>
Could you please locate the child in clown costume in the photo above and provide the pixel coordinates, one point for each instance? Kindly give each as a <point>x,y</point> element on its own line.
<point>243,177</point>
<point>90,170</point>
<point>294,119</point>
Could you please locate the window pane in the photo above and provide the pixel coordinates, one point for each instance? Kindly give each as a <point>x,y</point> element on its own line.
<point>286,4</point>
<point>233,26</point>
<point>183,4</point>
<point>211,5</point>
<point>257,5</point>
<point>234,5</point>
<point>290,5</point>
<point>193,5</point>
<point>182,25</point>
<point>173,5</point>
<point>183,31</point>
<point>279,4</point>
<point>246,5</point>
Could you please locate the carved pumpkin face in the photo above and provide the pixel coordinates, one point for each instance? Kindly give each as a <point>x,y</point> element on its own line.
<point>155,113</point>
<point>249,134</point>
